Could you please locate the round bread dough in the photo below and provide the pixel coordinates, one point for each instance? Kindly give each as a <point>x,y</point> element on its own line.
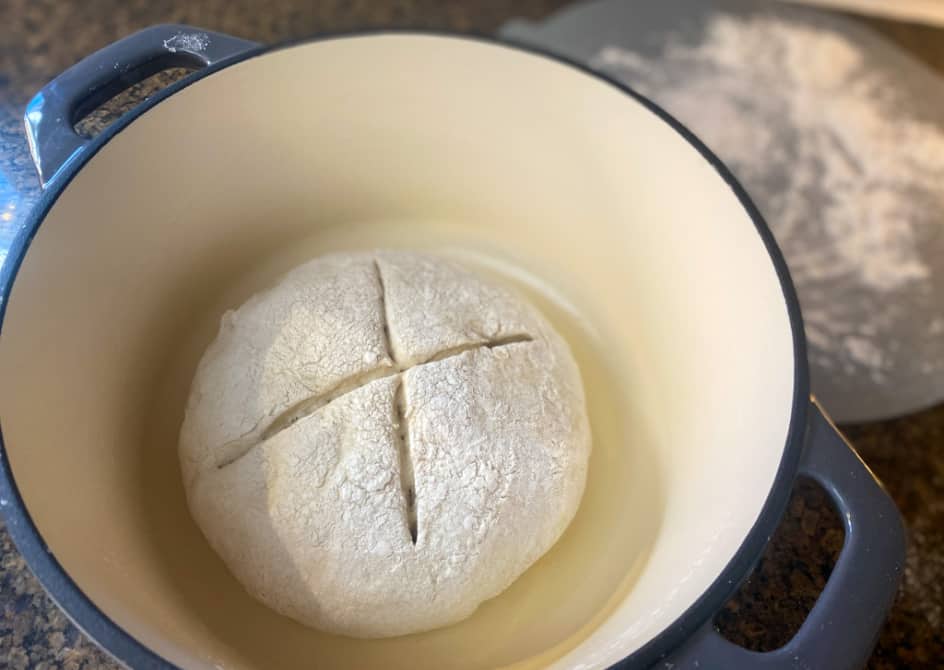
<point>383,441</point>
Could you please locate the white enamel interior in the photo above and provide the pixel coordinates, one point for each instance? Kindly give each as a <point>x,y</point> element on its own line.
<point>526,167</point>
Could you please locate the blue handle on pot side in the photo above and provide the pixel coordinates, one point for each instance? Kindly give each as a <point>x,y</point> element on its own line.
<point>843,626</point>
<point>52,113</point>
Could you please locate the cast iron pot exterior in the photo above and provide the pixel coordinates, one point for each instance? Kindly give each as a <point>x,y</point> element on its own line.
<point>843,625</point>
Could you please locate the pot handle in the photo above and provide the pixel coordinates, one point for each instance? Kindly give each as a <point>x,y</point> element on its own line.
<point>843,626</point>
<point>52,113</point>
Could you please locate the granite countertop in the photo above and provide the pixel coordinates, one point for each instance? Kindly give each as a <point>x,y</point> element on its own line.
<point>40,38</point>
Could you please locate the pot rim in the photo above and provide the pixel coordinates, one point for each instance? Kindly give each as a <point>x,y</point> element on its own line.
<point>129,651</point>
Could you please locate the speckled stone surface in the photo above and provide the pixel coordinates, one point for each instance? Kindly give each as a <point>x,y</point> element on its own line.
<point>40,38</point>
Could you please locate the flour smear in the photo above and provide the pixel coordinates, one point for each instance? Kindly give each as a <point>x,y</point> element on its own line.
<point>850,180</point>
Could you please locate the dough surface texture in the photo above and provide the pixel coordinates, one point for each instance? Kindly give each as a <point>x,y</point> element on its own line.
<point>383,441</point>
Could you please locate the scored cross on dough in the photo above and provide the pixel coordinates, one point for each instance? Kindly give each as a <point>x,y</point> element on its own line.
<point>325,398</point>
<point>311,405</point>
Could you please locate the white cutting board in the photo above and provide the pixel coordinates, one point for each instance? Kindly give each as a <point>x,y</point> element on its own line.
<point>913,11</point>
